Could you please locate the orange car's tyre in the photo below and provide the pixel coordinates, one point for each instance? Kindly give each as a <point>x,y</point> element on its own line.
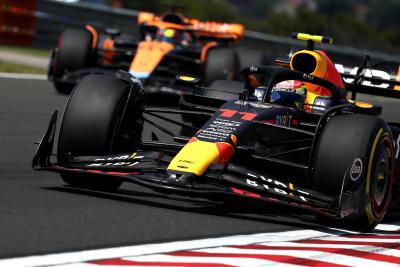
<point>74,52</point>
<point>356,153</point>
<point>91,125</point>
<point>225,90</point>
<point>250,57</point>
<point>220,64</point>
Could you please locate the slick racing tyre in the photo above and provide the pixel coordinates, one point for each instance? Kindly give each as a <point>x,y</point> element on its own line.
<point>74,53</point>
<point>250,57</point>
<point>356,152</point>
<point>94,122</point>
<point>220,64</point>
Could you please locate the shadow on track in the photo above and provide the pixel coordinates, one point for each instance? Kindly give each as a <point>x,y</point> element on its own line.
<point>237,209</point>
<point>244,210</point>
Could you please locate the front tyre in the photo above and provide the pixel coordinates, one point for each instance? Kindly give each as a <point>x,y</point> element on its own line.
<point>356,152</point>
<point>94,123</point>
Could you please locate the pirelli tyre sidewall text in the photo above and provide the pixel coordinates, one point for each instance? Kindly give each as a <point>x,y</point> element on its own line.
<point>355,160</point>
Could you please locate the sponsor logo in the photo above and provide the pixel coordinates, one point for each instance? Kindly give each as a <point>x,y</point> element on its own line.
<point>113,164</point>
<point>368,73</point>
<point>121,157</point>
<point>219,130</point>
<point>185,161</point>
<point>308,77</point>
<point>398,147</point>
<point>284,120</point>
<point>276,186</point>
<point>255,105</point>
<point>253,69</point>
<point>356,169</point>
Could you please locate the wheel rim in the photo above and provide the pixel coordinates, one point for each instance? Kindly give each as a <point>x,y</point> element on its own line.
<point>381,177</point>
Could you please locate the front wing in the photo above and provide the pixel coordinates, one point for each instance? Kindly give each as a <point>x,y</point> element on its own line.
<point>149,168</point>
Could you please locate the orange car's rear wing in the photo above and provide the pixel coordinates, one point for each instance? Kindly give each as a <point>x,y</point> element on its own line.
<point>203,28</point>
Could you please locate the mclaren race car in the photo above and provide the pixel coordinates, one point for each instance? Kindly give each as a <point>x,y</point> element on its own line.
<point>165,46</point>
<point>288,136</point>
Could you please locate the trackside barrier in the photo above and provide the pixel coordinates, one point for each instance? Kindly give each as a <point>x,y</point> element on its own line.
<point>17,22</point>
<point>51,17</point>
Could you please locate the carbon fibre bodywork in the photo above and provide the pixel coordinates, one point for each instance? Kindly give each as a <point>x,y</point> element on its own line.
<point>246,147</point>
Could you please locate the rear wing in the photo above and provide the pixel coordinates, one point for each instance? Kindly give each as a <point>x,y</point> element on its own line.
<point>210,29</point>
<point>381,79</point>
<point>217,29</point>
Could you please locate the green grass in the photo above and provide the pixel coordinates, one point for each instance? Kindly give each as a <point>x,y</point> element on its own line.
<point>20,68</point>
<point>45,53</point>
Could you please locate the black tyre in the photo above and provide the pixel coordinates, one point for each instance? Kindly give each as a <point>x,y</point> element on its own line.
<point>74,53</point>
<point>359,149</point>
<point>221,64</point>
<point>250,57</point>
<point>225,90</point>
<point>92,124</point>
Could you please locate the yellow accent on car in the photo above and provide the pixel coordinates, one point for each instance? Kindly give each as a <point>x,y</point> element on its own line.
<point>298,58</point>
<point>133,155</point>
<point>195,157</point>
<point>186,78</point>
<point>371,158</point>
<point>368,207</point>
<point>169,33</point>
<point>314,38</point>
<point>397,87</point>
<point>363,104</point>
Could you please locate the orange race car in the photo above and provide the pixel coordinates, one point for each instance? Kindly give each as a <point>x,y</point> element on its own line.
<point>165,46</point>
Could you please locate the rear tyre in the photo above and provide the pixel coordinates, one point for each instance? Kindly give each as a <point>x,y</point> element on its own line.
<point>221,64</point>
<point>92,124</point>
<point>225,90</point>
<point>74,53</point>
<point>358,149</point>
<point>250,57</point>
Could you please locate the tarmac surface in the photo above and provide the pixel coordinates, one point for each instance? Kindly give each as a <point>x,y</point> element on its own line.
<point>40,214</point>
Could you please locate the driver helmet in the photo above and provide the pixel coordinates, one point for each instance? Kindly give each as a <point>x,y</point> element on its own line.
<point>167,34</point>
<point>291,93</point>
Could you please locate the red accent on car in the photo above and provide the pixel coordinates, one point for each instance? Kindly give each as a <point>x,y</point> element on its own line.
<point>226,151</point>
<point>245,193</point>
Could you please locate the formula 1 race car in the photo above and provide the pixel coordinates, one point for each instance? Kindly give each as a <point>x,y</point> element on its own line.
<point>327,155</point>
<point>165,46</point>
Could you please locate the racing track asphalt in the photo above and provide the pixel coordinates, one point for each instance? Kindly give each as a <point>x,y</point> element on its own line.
<point>40,214</point>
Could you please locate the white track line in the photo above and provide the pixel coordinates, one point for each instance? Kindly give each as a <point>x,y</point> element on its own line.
<point>130,251</point>
<point>22,76</point>
<point>78,258</point>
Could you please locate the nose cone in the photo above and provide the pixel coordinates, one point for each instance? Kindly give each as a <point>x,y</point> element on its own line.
<point>179,179</point>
